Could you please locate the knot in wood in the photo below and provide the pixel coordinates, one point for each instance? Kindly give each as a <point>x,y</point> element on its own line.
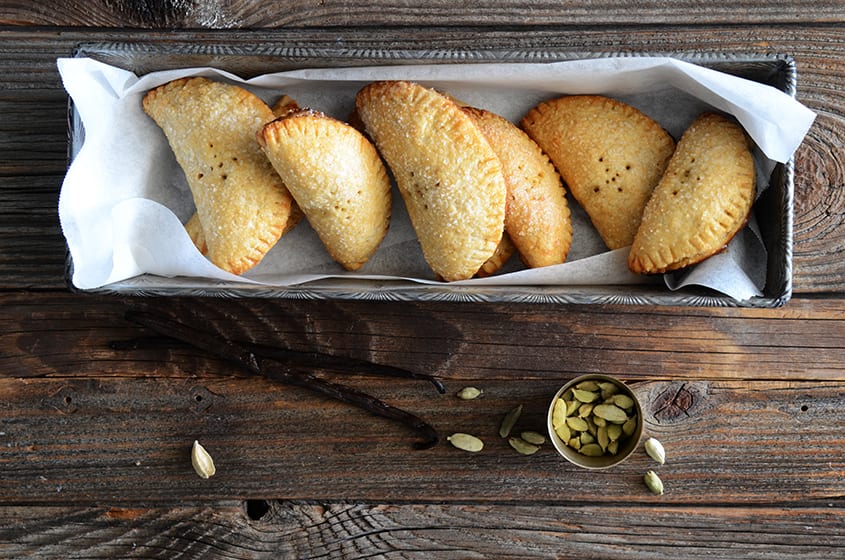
<point>674,402</point>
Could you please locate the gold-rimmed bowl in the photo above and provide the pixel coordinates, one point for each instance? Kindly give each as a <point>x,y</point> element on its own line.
<point>626,443</point>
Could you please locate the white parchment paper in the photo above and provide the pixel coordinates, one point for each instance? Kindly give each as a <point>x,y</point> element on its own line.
<point>124,198</point>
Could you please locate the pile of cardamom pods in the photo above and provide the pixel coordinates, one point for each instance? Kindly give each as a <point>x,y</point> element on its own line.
<point>594,418</point>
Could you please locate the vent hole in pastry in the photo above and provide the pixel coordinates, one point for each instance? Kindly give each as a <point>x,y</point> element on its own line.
<point>200,175</point>
<point>628,167</point>
<point>618,189</point>
<point>224,176</point>
<point>596,189</point>
<point>220,164</point>
<point>675,193</point>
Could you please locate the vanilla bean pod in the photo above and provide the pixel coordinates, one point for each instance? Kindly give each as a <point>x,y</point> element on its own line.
<point>246,357</point>
<point>349,395</point>
<point>340,363</point>
<point>299,359</point>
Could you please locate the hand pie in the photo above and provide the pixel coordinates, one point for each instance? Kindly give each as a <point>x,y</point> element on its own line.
<point>702,201</point>
<point>242,204</point>
<point>337,179</point>
<point>536,214</point>
<point>283,106</point>
<point>609,154</point>
<point>450,178</point>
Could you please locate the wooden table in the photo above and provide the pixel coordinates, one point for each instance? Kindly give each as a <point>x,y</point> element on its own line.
<point>95,443</point>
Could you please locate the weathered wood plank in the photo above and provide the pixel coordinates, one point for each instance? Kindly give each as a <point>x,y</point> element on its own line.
<point>283,530</point>
<point>459,342</point>
<point>246,14</point>
<point>32,248</point>
<point>127,441</point>
<point>747,404</point>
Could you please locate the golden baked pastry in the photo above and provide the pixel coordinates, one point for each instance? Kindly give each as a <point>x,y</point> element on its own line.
<point>504,251</point>
<point>450,178</point>
<point>702,201</point>
<point>609,154</point>
<point>194,227</point>
<point>337,178</point>
<point>284,105</point>
<point>536,214</point>
<point>242,204</point>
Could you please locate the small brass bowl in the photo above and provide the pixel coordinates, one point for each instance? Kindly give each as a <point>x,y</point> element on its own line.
<point>626,446</point>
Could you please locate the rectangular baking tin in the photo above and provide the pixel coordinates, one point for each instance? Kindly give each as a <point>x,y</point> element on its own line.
<point>774,210</point>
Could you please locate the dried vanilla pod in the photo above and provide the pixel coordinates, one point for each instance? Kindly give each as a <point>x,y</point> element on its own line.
<point>252,359</point>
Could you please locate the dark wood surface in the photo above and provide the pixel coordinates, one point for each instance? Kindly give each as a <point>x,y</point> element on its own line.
<point>95,443</point>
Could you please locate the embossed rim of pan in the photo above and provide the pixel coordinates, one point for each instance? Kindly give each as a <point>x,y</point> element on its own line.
<point>605,461</point>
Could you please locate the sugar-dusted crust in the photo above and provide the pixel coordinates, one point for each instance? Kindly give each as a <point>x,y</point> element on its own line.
<point>702,201</point>
<point>337,178</point>
<point>504,251</point>
<point>242,204</point>
<point>449,176</point>
<point>194,227</point>
<point>610,155</point>
<point>537,215</point>
<point>283,106</point>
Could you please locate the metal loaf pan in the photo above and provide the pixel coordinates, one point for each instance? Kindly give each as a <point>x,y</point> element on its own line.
<point>774,210</point>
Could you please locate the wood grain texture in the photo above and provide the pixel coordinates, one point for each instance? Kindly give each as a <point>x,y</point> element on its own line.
<point>288,530</point>
<point>747,405</point>
<point>95,443</point>
<point>217,14</point>
<point>803,340</point>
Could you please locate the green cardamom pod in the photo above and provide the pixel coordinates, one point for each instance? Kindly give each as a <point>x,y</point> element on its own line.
<point>201,460</point>
<point>655,450</point>
<point>611,413</point>
<point>653,482</point>
<point>522,446</point>
<point>469,393</point>
<point>466,442</point>
<point>533,437</point>
<point>509,420</point>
